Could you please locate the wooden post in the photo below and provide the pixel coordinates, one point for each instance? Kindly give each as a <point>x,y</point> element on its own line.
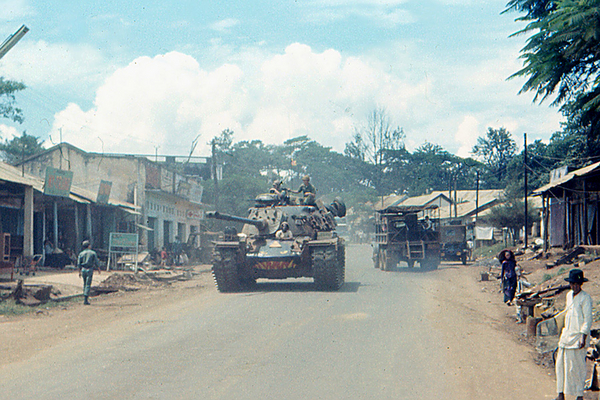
<point>546,215</point>
<point>28,222</point>
<point>585,217</point>
<point>55,222</point>
<point>89,222</point>
<point>78,240</point>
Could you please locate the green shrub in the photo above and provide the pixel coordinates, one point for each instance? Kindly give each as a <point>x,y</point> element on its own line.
<point>546,277</point>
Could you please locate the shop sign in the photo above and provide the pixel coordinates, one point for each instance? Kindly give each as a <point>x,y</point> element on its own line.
<point>103,192</point>
<point>58,182</point>
<point>195,214</point>
<point>118,239</point>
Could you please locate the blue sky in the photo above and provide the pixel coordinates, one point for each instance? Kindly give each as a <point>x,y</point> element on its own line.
<point>124,77</point>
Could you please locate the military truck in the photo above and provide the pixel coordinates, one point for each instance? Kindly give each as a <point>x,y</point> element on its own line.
<point>403,234</point>
<point>454,243</point>
<point>314,250</point>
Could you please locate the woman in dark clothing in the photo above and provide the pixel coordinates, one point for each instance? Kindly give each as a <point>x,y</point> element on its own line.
<point>509,275</point>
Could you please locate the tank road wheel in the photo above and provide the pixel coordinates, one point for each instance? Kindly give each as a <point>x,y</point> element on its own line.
<point>341,263</point>
<point>328,271</point>
<point>248,283</point>
<point>225,271</point>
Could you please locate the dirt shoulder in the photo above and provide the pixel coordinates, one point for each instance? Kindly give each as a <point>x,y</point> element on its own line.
<point>485,348</point>
<point>25,335</point>
<point>488,302</point>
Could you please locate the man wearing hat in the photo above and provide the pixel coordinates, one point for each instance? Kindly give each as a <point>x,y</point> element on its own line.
<point>87,261</point>
<point>570,359</point>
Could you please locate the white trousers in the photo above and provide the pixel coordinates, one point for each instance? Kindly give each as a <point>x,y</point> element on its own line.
<point>570,371</point>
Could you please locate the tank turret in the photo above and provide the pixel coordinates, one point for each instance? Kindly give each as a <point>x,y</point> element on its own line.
<point>265,218</point>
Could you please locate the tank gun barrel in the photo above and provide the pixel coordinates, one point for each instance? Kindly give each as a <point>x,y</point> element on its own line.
<point>261,224</point>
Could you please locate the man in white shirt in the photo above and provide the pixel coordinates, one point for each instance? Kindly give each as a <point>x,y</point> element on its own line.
<point>284,233</point>
<point>570,359</point>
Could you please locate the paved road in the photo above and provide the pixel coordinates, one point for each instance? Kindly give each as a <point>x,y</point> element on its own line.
<point>286,341</point>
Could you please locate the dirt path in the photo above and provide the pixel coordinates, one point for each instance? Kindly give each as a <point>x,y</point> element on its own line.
<point>472,316</point>
<point>25,335</point>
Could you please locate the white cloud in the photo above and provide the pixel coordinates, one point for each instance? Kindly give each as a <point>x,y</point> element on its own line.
<point>225,25</point>
<point>385,13</point>
<point>466,135</point>
<point>43,64</point>
<point>168,100</point>
<point>8,132</point>
<point>13,9</point>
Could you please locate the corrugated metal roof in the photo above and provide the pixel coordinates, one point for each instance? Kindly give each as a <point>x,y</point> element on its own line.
<point>571,175</point>
<point>12,174</point>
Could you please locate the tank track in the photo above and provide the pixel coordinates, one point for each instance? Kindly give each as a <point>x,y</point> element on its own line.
<point>329,267</point>
<point>225,270</point>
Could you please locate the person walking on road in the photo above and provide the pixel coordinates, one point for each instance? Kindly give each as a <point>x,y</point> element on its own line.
<point>570,359</point>
<point>87,261</point>
<point>509,275</point>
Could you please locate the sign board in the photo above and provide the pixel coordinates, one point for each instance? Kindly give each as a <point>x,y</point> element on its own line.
<point>103,192</point>
<point>123,240</point>
<point>152,176</point>
<point>58,182</point>
<point>558,173</point>
<point>195,214</point>
<point>124,245</point>
<point>166,180</point>
<point>195,193</point>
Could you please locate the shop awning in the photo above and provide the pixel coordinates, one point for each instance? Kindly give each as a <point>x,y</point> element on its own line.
<point>144,227</point>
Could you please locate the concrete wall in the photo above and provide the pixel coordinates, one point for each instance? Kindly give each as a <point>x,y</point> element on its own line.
<point>89,169</point>
<point>178,213</point>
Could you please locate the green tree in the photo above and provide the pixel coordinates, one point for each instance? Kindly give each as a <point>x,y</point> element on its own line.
<point>7,100</point>
<point>496,149</point>
<point>561,56</point>
<point>20,147</point>
<point>511,215</point>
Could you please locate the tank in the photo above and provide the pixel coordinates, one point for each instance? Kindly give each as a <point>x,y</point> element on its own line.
<point>312,250</point>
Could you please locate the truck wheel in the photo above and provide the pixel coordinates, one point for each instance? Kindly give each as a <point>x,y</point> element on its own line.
<point>225,271</point>
<point>383,262</point>
<point>328,270</point>
<point>429,264</point>
<point>391,261</point>
<point>376,259</point>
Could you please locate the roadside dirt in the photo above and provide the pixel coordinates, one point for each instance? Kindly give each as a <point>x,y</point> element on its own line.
<point>538,273</point>
<point>25,335</point>
<point>469,312</point>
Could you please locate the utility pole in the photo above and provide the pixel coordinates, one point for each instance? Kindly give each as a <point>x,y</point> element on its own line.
<point>525,176</point>
<point>477,199</point>
<point>215,177</point>
<point>12,40</point>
